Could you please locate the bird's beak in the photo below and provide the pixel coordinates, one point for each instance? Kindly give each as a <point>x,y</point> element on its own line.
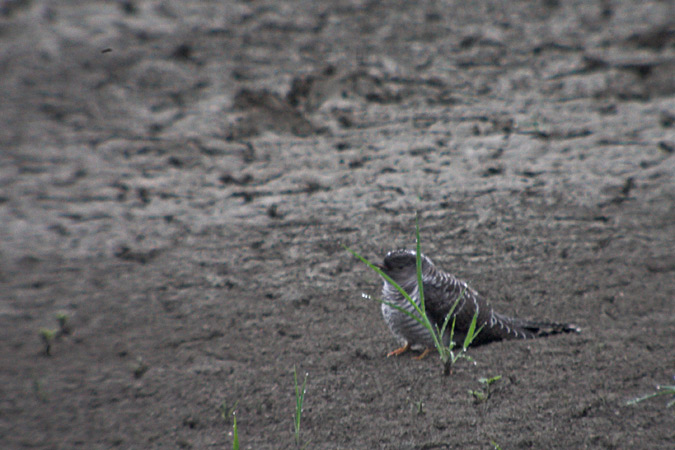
<point>380,266</point>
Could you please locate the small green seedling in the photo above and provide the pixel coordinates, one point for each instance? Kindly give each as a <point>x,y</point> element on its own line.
<point>47,335</point>
<point>418,408</point>
<point>660,390</point>
<point>64,326</point>
<point>447,353</point>
<point>225,412</point>
<point>299,401</point>
<point>484,393</point>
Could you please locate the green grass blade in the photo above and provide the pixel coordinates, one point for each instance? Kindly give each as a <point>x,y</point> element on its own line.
<point>640,399</point>
<point>235,433</point>
<point>299,400</point>
<point>451,312</point>
<point>661,390</point>
<point>471,334</point>
<point>446,321</point>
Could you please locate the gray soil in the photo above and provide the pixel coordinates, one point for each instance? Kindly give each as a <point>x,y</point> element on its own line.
<point>178,179</point>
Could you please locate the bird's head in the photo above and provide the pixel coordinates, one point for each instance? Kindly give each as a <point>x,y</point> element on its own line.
<point>401,265</point>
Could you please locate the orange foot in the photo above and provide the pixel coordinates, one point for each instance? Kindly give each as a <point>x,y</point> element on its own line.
<point>398,351</point>
<point>424,354</point>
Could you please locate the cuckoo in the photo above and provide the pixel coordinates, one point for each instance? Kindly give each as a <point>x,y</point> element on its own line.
<point>441,290</point>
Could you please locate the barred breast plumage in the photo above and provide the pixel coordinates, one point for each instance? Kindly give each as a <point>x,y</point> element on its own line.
<point>441,291</point>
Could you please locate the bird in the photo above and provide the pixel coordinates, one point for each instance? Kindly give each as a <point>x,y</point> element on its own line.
<point>441,290</point>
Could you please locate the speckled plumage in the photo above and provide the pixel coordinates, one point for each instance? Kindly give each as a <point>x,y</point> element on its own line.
<point>441,291</point>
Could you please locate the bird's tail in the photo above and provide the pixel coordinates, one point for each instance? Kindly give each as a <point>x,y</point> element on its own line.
<point>541,329</point>
<point>499,327</point>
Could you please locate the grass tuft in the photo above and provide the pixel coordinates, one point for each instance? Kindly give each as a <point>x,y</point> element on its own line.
<point>447,353</point>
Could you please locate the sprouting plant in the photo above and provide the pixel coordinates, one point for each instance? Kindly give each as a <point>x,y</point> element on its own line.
<point>484,393</point>
<point>47,335</point>
<point>64,326</point>
<point>418,408</point>
<point>495,445</point>
<point>447,353</point>
<point>227,412</point>
<point>660,390</point>
<point>299,400</point>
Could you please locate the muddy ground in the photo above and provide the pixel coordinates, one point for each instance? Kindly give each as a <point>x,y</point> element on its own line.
<point>178,179</point>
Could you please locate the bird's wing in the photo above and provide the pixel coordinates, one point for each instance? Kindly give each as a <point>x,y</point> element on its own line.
<point>442,290</point>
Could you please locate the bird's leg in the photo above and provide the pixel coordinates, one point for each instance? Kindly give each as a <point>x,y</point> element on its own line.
<point>398,351</point>
<point>424,354</point>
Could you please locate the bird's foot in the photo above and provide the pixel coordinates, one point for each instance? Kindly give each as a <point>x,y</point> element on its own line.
<point>398,351</point>
<point>424,354</point>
